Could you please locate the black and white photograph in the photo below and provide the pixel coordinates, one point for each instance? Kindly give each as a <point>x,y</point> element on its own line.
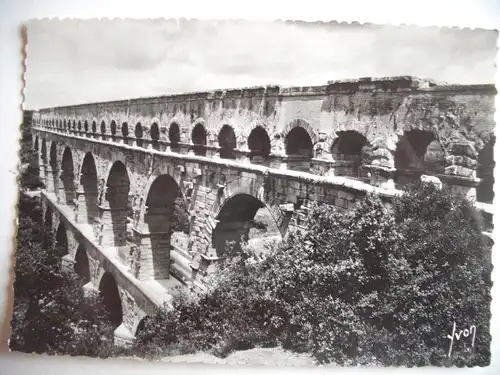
<point>279,193</point>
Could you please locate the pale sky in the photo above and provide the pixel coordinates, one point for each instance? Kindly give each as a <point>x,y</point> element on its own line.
<point>82,61</point>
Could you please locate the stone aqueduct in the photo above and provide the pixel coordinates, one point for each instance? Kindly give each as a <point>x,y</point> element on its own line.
<point>115,172</point>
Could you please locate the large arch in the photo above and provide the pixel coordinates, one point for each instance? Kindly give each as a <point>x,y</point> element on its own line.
<point>164,214</point>
<point>67,190</point>
<point>52,175</point>
<point>199,139</point>
<point>242,218</point>
<point>111,299</point>
<point>259,145</point>
<point>115,205</point>
<point>88,211</point>
<point>227,142</point>
<point>81,265</point>
<point>174,137</point>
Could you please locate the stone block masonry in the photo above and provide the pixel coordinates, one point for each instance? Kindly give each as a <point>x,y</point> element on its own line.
<point>237,152</point>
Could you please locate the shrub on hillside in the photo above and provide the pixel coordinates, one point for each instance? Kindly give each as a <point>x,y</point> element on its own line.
<point>376,285</point>
<point>51,314</point>
<point>440,274</point>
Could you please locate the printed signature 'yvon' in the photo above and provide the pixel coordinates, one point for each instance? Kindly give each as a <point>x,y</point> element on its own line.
<point>457,335</point>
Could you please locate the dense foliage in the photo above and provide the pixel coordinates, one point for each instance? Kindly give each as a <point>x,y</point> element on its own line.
<point>377,285</point>
<point>51,314</point>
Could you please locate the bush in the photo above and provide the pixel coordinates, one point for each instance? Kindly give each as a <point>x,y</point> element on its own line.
<point>377,285</point>
<point>51,314</point>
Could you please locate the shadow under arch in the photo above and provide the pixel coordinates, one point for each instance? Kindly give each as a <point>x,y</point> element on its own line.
<point>259,144</point>
<point>61,243</point>
<point>485,192</point>
<point>348,147</point>
<point>81,265</point>
<point>299,149</point>
<point>164,214</point>
<point>108,289</point>
<point>199,139</point>
<point>227,142</point>
<point>54,185</point>
<point>89,184</point>
<point>67,177</point>
<point>174,137</point>
<point>418,152</point>
<point>116,203</point>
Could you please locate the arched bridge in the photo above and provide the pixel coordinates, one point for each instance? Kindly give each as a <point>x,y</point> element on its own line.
<point>145,194</point>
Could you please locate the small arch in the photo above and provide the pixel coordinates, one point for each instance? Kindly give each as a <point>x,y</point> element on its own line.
<point>68,177</point>
<point>199,139</point>
<point>155,136</point>
<point>111,299</point>
<point>94,127</point>
<point>74,124</point>
<point>227,142</point>
<point>86,126</point>
<point>174,137</point>
<point>65,126</point>
<point>259,144</point>
<point>138,134</point>
<point>348,147</point>
<point>125,130</point>
<point>298,143</point>
<point>79,126</point>
<point>103,127</point>
<point>113,128</point>
<point>81,265</point>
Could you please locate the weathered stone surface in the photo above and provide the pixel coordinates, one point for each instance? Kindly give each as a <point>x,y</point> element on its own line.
<point>293,167</point>
<point>463,148</point>
<point>463,161</point>
<point>458,170</point>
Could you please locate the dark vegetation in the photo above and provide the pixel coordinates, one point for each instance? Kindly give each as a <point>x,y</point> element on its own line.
<point>372,286</point>
<point>377,285</point>
<point>51,314</point>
